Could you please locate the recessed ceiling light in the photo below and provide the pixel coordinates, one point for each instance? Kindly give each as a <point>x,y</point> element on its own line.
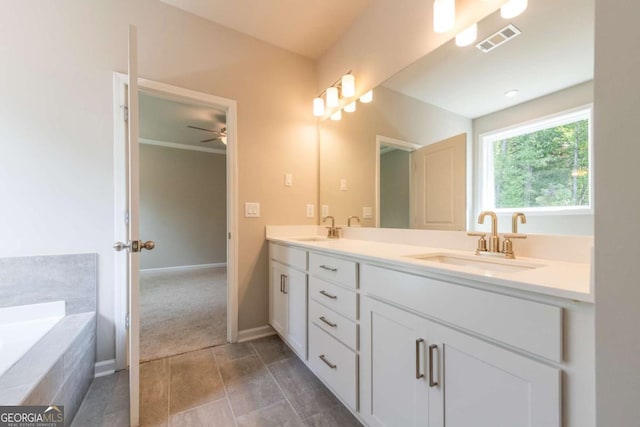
<point>511,93</point>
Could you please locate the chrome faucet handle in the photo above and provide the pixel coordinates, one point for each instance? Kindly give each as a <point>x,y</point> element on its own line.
<point>482,242</point>
<point>476,234</point>
<point>507,245</point>
<point>515,236</point>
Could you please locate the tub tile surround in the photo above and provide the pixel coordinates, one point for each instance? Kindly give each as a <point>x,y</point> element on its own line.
<point>566,259</point>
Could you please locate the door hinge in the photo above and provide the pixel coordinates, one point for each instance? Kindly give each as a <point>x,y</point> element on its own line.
<point>126,217</point>
<point>126,322</point>
<point>125,113</point>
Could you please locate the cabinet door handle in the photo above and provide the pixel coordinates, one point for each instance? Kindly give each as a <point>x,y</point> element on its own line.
<point>418,374</point>
<point>432,383</point>
<point>333,325</point>
<point>329,364</point>
<point>328,268</point>
<point>281,283</point>
<point>285,282</point>
<point>328,295</point>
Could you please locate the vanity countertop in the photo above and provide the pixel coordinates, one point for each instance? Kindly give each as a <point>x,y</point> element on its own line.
<point>554,278</point>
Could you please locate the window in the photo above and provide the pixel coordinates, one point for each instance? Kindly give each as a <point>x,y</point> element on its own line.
<point>540,166</point>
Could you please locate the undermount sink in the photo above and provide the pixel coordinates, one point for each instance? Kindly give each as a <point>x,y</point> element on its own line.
<point>311,239</point>
<point>485,265</point>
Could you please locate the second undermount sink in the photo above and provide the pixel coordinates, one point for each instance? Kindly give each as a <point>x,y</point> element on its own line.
<point>485,265</point>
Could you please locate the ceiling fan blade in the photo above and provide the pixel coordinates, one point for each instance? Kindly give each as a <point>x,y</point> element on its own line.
<point>196,127</point>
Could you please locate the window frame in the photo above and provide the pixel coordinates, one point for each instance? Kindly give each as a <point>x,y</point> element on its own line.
<point>487,197</point>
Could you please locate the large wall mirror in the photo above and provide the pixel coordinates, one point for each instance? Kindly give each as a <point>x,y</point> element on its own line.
<point>463,129</point>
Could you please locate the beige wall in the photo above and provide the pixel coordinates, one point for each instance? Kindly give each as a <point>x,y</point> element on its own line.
<point>183,206</point>
<point>348,146</point>
<point>576,96</point>
<point>617,224</point>
<point>56,131</point>
<point>394,189</point>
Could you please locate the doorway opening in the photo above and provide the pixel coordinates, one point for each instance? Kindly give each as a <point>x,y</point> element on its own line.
<point>187,204</point>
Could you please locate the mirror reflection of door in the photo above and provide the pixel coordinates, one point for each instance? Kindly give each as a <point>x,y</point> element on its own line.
<point>395,187</point>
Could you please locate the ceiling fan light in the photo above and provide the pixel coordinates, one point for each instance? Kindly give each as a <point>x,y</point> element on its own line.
<point>444,15</point>
<point>513,8</point>
<point>468,36</point>
<point>332,97</point>
<point>367,97</point>
<point>318,107</point>
<point>348,85</point>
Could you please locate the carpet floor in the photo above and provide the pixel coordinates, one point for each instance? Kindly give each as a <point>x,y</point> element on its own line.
<point>182,311</point>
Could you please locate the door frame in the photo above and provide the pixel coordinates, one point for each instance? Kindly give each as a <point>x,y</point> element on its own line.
<point>120,162</point>
<point>400,145</point>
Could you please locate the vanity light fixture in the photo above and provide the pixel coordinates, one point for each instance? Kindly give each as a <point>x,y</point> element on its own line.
<point>350,108</point>
<point>318,107</point>
<point>511,93</point>
<point>332,97</point>
<point>337,115</point>
<point>444,15</point>
<point>367,97</point>
<point>468,36</point>
<point>348,85</point>
<point>513,8</point>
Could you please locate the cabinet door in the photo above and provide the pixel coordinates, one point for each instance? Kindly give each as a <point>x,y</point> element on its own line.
<point>278,309</point>
<point>483,385</point>
<point>295,289</point>
<point>394,387</point>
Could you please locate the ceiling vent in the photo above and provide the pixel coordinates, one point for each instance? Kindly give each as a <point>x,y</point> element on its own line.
<point>498,38</point>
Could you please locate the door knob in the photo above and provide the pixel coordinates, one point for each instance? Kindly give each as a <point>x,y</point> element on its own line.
<point>118,246</point>
<point>148,245</point>
<point>134,246</point>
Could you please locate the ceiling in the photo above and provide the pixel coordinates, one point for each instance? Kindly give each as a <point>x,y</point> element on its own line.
<point>166,121</point>
<point>306,27</point>
<point>554,51</point>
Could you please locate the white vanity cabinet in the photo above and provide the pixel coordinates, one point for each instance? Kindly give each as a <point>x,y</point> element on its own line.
<point>288,296</point>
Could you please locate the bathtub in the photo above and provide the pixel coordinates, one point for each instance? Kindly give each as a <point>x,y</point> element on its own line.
<point>21,327</point>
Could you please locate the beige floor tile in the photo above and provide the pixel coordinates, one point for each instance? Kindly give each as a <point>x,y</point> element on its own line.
<point>154,393</point>
<point>279,415</point>
<point>212,414</point>
<point>272,349</point>
<point>194,380</point>
<point>252,392</point>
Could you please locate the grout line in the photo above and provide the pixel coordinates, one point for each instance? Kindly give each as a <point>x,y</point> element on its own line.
<point>278,384</point>
<point>224,387</point>
<point>169,394</point>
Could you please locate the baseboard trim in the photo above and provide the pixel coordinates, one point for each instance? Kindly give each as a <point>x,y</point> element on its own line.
<point>184,267</point>
<point>254,333</point>
<point>104,368</point>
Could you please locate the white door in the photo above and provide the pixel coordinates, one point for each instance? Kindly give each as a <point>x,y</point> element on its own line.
<point>295,288</point>
<point>439,185</point>
<point>278,310</point>
<point>394,383</point>
<point>483,385</point>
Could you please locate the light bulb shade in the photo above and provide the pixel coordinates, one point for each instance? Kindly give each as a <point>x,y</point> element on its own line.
<point>468,36</point>
<point>367,97</point>
<point>351,107</point>
<point>332,97</point>
<point>444,15</point>
<point>337,115</point>
<point>513,8</point>
<point>318,107</point>
<point>348,85</point>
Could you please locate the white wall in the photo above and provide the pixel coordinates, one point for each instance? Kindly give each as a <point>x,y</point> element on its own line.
<point>617,223</point>
<point>183,206</point>
<point>56,129</point>
<point>545,223</point>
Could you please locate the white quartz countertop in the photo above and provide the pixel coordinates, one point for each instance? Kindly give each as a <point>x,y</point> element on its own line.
<point>555,278</point>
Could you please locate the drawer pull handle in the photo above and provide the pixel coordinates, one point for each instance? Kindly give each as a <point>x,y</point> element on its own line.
<point>328,295</point>
<point>418,374</point>
<point>432,383</point>
<point>329,364</point>
<point>326,267</point>
<point>282,283</point>
<point>333,325</point>
<point>285,283</point>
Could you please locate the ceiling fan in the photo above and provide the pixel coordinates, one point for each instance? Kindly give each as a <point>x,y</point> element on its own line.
<point>221,135</point>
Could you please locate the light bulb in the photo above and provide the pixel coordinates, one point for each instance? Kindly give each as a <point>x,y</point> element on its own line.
<point>337,115</point>
<point>367,97</point>
<point>513,8</point>
<point>332,97</point>
<point>318,107</point>
<point>468,36</point>
<point>348,85</point>
<point>444,15</point>
<point>351,107</point>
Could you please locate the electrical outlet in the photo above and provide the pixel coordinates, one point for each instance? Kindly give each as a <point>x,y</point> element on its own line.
<point>310,211</point>
<point>252,210</point>
<point>288,180</point>
<point>367,212</point>
<point>325,211</point>
<point>343,185</point>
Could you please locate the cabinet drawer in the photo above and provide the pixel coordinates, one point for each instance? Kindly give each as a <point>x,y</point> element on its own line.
<point>293,257</point>
<point>335,364</point>
<point>529,325</point>
<point>335,324</point>
<point>339,299</point>
<point>337,270</point>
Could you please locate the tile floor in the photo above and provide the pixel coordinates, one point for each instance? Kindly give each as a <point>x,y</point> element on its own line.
<point>257,383</point>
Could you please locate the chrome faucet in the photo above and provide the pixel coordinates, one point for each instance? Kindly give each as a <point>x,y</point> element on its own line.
<point>494,243</point>
<point>350,218</point>
<point>333,232</point>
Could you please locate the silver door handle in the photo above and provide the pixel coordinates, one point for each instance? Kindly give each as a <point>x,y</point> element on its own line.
<point>119,246</point>
<point>329,364</point>
<point>432,383</point>
<point>328,295</point>
<point>418,374</point>
<point>134,246</point>
<point>333,325</point>
<point>326,267</point>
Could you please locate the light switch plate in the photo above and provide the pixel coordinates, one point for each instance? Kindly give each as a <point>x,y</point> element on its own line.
<point>252,209</point>
<point>310,211</point>
<point>325,211</point>
<point>367,212</point>
<point>288,179</point>
<point>343,185</point>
